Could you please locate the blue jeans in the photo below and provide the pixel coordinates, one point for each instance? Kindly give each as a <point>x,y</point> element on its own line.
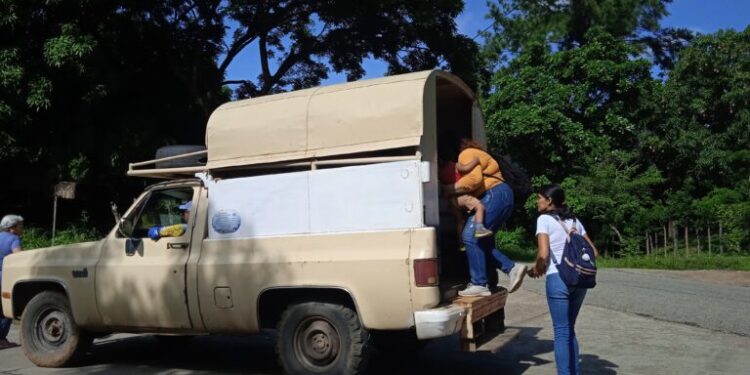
<point>564,304</point>
<point>498,205</point>
<point>4,327</point>
<point>4,322</point>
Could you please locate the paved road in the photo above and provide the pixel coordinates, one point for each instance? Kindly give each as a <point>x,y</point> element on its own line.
<point>611,342</point>
<point>673,297</point>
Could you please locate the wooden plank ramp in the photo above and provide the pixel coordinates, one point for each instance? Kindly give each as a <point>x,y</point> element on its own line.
<point>485,319</point>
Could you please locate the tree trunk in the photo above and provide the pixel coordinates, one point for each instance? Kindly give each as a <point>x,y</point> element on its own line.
<point>651,243</point>
<point>708,229</point>
<point>647,244</point>
<point>698,238</point>
<point>721,239</point>
<point>673,231</point>
<point>687,243</point>
<point>665,240</point>
<point>619,235</point>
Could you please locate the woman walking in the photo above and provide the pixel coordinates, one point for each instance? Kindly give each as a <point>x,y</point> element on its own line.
<point>564,301</point>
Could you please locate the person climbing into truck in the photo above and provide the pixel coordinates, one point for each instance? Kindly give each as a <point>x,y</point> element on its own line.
<point>449,173</point>
<point>485,182</point>
<point>175,230</point>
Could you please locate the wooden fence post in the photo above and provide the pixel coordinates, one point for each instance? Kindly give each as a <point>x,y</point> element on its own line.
<point>687,243</point>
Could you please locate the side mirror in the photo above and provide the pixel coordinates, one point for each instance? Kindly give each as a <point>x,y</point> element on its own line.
<point>133,245</point>
<point>125,227</point>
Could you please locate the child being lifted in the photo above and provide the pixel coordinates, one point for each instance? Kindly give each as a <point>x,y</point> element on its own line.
<point>449,173</point>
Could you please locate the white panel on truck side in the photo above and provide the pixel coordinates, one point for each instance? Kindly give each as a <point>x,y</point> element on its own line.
<point>258,206</point>
<point>360,198</point>
<point>371,197</point>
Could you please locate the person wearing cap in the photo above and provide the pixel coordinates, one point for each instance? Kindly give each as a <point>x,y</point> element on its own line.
<point>175,230</point>
<point>11,229</point>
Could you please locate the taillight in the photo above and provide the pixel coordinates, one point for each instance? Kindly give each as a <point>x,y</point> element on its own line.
<point>426,272</point>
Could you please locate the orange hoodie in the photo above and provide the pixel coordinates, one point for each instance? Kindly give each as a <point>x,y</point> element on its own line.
<point>484,176</point>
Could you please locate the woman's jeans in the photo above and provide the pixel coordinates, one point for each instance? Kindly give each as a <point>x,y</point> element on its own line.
<point>564,304</point>
<point>498,205</point>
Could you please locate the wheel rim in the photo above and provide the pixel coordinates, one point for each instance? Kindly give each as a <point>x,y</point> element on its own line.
<point>316,343</point>
<point>52,328</point>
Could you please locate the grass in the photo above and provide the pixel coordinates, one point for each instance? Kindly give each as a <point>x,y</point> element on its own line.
<point>680,262</point>
<point>702,261</point>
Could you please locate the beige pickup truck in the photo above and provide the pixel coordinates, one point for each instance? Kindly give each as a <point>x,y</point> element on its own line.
<point>314,212</point>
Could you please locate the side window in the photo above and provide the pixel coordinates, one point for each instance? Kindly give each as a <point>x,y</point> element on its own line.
<point>163,208</point>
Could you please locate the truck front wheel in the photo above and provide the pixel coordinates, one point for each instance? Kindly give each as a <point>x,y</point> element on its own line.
<point>322,338</point>
<point>49,335</point>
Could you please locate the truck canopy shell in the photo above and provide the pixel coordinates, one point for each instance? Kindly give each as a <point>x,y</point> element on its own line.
<point>350,118</point>
<point>353,123</point>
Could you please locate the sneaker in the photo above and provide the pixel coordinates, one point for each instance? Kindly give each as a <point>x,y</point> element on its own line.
<point>480,231</point>
<point>517,274</point>
<point>474,291</point>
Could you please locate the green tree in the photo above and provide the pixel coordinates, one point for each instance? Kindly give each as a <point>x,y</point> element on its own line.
<point>565,24</point>
<point>301,41</point>
<point>86,87</point>
<point>571,97</point>
<point>706,132</point>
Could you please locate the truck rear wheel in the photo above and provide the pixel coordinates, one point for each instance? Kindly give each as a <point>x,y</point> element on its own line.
<point>49,335</point>
<point>322,338</point>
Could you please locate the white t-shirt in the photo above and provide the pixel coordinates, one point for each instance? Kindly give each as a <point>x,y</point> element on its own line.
<point>557,236</point>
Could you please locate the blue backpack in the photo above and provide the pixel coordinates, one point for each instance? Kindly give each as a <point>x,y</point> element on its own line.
<point>578,265</point>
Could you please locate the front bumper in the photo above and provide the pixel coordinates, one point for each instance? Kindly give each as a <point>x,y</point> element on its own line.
<point>439,322</point>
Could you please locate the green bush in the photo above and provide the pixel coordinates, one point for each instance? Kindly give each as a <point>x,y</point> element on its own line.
<point>34,238</point>
<point>515,244</point>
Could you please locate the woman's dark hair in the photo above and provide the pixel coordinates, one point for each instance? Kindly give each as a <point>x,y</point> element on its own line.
<point>557,195</point>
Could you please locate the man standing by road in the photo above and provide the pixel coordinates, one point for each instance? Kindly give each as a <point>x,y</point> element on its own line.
<point>11,229</point>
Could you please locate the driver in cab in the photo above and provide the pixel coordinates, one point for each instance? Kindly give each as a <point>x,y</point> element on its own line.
<point>175,230</point>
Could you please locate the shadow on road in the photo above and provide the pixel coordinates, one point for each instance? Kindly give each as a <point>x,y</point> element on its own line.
<point>256,355</point>
<point>592,364</point>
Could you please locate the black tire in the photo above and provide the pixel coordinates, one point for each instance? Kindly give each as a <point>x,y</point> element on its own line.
<point>50,336</point>
<point>322,338</point>
<point>175,150</point>
<point>397,343</point>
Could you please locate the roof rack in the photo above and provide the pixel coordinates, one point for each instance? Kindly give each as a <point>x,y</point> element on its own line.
<point>313,163</point>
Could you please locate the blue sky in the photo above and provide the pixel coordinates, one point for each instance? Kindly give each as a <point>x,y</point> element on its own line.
<point>704,16</point>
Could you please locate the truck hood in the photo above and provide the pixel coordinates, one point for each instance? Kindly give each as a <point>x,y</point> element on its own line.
<point>72,254</point>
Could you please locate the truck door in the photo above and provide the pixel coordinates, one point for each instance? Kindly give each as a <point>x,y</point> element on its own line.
<point>141,282</point>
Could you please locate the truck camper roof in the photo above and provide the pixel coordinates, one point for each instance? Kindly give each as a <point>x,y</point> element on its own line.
<point>345,119</point>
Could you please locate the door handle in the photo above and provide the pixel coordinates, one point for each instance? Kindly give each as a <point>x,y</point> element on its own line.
<point>177,245</point>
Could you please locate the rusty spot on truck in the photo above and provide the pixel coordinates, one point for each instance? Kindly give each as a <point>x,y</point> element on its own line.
<point>6,295</point>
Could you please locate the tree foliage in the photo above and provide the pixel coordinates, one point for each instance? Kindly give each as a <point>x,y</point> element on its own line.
<point>574,99</point>
<point>89,86</point>
<point>301,41</point>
